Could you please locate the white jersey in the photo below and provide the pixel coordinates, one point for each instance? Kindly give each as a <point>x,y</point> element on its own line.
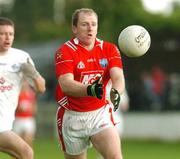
<point>11,78</point>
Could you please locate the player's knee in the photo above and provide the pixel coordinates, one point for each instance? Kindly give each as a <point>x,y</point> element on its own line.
<point>113,155</point>
<point>116,157</point>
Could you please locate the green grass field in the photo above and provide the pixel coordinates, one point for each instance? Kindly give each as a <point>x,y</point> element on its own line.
<point>132,149</point>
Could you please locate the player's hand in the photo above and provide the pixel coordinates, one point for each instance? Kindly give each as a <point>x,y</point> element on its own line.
<point>115,98</point>
<point>29,70</point>
<point>95,89</point>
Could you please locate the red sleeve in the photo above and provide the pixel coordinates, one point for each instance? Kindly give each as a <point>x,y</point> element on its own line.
<point>115,57</point>
<point>63,61</point>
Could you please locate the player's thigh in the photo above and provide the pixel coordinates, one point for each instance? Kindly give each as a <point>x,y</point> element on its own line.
<point>10,142</point>
<point>80,156</point>
<point>107,142</point>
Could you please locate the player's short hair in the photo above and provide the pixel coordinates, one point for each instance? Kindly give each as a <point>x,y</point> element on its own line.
<point>6,21</point>
<point>76,13</point>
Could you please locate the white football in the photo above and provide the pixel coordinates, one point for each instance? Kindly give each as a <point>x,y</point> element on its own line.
<point>134,41</point>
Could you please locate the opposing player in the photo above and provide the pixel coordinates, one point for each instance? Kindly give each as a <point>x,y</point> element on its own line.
<point>84,65</point>
<point>25,123</point>
<point>15,65</point>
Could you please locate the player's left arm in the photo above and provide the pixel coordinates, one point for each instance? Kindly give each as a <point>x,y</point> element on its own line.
<point>117,78</point>
<point>30,72</point>
<point>118,85</point>
<point>116,75</point>
<point>40,84</point>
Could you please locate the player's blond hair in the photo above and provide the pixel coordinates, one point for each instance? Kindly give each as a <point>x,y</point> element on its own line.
<point>76,13</point>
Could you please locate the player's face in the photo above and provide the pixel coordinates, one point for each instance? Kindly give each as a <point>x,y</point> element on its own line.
<point>86,29</point>
<point>6,37</point>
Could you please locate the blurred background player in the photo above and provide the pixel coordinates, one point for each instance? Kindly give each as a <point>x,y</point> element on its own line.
<point>15,66</point>
<point>24,124</point>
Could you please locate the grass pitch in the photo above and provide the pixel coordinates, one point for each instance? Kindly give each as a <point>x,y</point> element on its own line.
<point>136,149</point>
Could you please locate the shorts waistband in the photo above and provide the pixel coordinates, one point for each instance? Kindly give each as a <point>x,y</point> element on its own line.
<point>84,113</point>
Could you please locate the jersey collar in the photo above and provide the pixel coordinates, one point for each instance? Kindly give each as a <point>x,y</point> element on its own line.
<point>98,42</point>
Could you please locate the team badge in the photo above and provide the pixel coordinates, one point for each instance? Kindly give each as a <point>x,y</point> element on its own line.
<point>80,65</point>
<point>103,62</point>
<point>15,67</point>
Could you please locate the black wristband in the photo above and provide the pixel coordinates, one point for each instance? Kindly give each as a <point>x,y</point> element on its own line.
<point>89,90</point>
<point>95,90</point>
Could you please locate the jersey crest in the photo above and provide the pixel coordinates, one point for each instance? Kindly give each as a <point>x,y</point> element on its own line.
<point>103,62</point>
<point>80,65</point>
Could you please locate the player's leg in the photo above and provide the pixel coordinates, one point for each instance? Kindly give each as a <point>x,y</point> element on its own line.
<point>105,137</point>
<point>12,144</point>
<point>72,133</point>
<point>107,143</point>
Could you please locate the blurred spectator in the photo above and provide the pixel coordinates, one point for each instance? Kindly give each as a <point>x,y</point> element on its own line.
<point>173,92</point>
<point>147,89</point>
<point>24,124</point>
<point>158,88</point>
<point>154,85</point>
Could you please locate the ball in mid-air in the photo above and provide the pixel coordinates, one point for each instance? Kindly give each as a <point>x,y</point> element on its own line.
<point>134,41</point>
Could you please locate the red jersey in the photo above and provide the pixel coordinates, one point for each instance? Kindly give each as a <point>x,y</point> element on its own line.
<point>26,104</point>
<point>86,66</point>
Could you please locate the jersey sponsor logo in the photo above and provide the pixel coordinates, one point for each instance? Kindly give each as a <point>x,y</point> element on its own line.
<point>80,65</point>
<point>3,87</point>
<point>90,77</point>
<point>103,62</point>
<point>6,88</point>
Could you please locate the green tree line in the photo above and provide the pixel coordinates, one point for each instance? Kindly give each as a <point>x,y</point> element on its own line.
<point>35,21</point>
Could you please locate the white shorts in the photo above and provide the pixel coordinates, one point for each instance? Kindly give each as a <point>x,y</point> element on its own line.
<point>6,122</point>
<point>117,119</point>
<point>120,125</point>
<point>76,128</point>
<point>24,125</point>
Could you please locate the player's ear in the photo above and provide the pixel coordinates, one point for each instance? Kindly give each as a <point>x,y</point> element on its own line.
<point>74,29</point>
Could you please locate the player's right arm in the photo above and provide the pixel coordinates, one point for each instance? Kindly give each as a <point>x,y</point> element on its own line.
<point>64,72</point>
<point>71,87</point>
<point>74,88</point>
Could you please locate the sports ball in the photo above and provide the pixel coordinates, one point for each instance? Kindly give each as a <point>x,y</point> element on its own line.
<point>134,41</point>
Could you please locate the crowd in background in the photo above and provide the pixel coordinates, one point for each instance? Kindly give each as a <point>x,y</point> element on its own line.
<point>156,91</point>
